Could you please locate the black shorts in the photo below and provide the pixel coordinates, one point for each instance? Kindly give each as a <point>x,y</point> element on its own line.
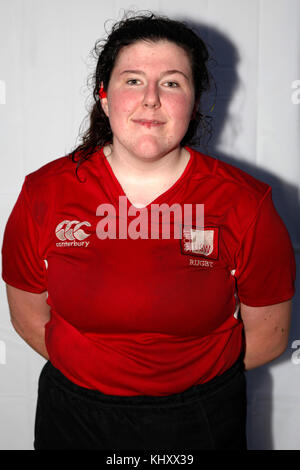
<point>209,416</point>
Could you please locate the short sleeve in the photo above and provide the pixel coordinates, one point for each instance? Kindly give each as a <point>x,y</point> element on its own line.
<point>266,267</point>
<point>22,265</point>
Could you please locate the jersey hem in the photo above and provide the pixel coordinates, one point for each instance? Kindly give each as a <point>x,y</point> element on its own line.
<point>270,301</point>
<point>21,287</point>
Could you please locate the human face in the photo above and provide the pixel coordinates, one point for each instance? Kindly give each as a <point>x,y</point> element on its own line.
<point>150,99</point>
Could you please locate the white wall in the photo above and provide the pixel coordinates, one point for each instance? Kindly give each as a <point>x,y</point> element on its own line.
<point>44,65</point>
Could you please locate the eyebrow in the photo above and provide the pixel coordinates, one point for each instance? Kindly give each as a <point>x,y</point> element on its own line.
<point>167,72</point>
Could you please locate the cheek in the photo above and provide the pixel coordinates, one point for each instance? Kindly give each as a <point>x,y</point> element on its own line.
<point>122,103</point>
<point>179,107</point>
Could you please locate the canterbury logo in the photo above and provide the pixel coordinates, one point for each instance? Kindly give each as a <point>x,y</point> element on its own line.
<point>71,230</point>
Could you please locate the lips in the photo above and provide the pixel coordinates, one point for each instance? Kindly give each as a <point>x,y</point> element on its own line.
<point>149,122</point>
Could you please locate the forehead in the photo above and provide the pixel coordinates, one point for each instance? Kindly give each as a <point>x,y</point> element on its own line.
<point>164,54</point>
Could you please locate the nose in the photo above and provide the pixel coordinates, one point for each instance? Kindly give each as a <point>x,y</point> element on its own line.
<point>151,97</point>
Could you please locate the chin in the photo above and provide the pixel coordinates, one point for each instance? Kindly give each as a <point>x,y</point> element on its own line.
<point>150,150</point>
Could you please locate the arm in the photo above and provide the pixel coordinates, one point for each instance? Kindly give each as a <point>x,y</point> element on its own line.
<point>266,332</point>
<point>29,313</point>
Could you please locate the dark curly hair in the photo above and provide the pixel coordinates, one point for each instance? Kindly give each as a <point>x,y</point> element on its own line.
<point>148,27</point>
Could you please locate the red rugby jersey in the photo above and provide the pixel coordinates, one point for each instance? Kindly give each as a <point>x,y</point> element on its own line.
<point>146,316</point>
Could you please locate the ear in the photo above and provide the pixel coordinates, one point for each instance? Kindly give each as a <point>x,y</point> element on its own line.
<point>104,103</point>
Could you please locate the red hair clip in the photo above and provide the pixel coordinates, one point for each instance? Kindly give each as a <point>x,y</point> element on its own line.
<point>102,93</point>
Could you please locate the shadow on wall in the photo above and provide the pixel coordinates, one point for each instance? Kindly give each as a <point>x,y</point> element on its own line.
<point>286,201</point>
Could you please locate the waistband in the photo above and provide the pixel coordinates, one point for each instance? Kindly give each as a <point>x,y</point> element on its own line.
<point>190,394</point>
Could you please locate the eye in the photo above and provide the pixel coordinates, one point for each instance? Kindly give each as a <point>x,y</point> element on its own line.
<point>133,81</point>
<point>172,84</point>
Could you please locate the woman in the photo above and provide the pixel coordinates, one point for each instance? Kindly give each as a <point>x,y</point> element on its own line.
<point>146,338</point>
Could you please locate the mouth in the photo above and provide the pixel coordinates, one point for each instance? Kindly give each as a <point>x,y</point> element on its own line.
<point>148,122</point>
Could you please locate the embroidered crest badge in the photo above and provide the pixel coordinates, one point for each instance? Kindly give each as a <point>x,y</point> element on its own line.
<point>200,242</point>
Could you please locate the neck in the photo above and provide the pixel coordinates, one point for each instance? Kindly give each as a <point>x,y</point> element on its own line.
<point>135,168</point>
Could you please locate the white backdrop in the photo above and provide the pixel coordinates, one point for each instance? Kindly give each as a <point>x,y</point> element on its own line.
<point>44,65</point>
